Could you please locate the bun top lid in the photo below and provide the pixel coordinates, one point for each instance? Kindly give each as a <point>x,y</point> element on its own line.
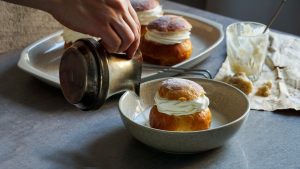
<point>170,23</point>
<point>143,5</point>
<point>180,89</point>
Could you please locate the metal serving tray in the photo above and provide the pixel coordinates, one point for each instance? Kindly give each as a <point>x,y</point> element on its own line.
<point>42,58</point>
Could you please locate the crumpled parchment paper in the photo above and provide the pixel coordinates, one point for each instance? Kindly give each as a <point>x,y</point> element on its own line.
<point>282,68</point>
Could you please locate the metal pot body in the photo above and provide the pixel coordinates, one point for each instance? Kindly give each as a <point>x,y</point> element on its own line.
<point>89,74</point>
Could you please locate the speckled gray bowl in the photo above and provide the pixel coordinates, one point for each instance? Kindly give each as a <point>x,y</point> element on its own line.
<point>229,106</point>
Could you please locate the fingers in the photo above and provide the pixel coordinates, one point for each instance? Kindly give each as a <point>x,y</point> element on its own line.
<point>134,16</point>
<point>125,33</point>
<point>118,26</point>
<point>135,44</point>
<point>128,36</point>
<point>135,28</point>
<point>132,49</point>
<point>118,36</point>
<point>110,40</point>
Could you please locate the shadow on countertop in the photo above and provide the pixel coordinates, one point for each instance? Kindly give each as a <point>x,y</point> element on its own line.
<point>118,150</point>
<point>20,89</point>
<point>288,112</point>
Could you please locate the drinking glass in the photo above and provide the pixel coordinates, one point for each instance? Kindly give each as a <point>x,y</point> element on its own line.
<point>247,48</point>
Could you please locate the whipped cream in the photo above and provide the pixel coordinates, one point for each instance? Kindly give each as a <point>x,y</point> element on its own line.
<point>147,16</point>
<point>167,38</point>
<point>71,36</point>
<point>179,108</point>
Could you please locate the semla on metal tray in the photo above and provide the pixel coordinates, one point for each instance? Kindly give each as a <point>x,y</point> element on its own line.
<point>42,58</point>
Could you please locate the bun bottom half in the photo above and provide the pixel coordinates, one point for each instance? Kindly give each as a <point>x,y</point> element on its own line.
<point>193,122</point>
<point>166,55</point>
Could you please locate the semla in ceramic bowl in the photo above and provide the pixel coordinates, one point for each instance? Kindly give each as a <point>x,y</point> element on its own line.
<point>229,107</point>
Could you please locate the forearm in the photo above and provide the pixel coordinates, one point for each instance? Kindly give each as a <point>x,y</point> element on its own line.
<point>115,21</point>
<point>44,5</point>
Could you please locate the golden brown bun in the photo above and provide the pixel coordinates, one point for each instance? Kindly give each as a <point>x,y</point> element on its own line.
<point>143,5</point>
<point>167,55</point>
<point>180,89</point>
<point>169,23</point>
<point>162,54</point>
<point>193,122</point>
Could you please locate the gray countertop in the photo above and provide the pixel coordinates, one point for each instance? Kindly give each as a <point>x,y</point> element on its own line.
<point>39,129</point>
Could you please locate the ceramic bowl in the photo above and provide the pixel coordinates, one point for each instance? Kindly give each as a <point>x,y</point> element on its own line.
<point>229,106</point>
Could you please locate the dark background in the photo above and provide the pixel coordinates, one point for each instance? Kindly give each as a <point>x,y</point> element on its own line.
<point>254,10</point>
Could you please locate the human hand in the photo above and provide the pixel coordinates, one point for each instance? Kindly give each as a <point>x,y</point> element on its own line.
<point>115,21</point>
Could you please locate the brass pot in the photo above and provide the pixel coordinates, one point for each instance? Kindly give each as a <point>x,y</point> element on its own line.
<point>89,74</point>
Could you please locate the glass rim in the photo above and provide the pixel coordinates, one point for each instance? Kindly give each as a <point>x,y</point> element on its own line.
<point>248,22</point>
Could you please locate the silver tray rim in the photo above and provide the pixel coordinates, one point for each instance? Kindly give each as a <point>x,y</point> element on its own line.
<point>23,62</point>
